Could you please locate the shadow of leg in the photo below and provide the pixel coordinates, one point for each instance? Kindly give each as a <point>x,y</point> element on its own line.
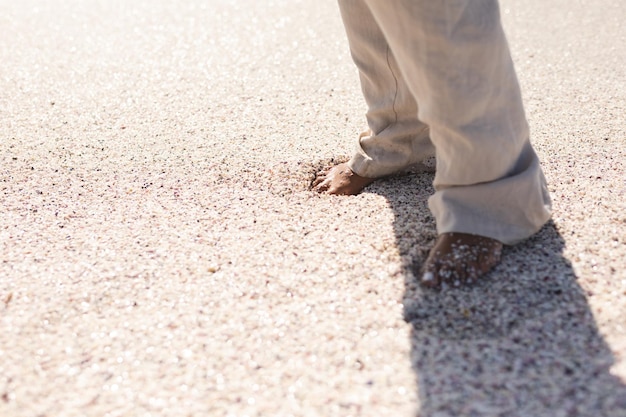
<point>523,342</point>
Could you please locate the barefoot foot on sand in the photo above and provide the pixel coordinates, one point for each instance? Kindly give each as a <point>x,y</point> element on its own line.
<point>340,180</point>
<point>459,258</point>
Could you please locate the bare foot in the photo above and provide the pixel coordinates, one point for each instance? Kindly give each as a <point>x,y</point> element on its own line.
<point>340,180</point>
<point>459,258</point>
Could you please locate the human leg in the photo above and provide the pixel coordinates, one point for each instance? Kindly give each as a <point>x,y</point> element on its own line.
<point>455,59</point>
<point>396,138</point>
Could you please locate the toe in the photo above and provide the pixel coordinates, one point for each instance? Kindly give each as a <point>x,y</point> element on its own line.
<point>449,274</point>
<point>429,273</point>
<point>318,180</point>
<point>471,273</point>
<point>322,186</point>
<point>429,279</point>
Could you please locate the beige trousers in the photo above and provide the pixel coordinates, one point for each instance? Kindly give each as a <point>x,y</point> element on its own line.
<point>438,79</point>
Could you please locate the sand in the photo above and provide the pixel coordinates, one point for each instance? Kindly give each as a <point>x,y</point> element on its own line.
<point>161,254</point>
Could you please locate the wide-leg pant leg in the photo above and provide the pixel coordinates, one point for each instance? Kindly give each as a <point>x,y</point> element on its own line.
<point>396,138</point>
<point>455,59</point>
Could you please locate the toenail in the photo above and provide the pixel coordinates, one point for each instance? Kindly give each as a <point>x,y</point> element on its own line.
<point>428,277</point>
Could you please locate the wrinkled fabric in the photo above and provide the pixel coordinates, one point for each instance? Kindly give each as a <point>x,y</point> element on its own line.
<point>438,79</point>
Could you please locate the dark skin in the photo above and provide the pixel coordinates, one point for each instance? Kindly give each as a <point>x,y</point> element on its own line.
<point>340,180</point>
<point>455,259</point>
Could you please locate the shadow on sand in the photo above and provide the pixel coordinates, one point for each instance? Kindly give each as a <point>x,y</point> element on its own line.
<point>521,343</point>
